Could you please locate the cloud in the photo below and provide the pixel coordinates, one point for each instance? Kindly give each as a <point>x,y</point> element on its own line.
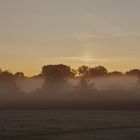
<point>95,26</point>
<point>82,35</point>
<point>85,59</point>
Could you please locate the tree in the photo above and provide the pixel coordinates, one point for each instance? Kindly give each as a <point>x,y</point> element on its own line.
<point>0,70</point>
<point>19,74</point>
<point>99,71</point>
<point>134,72</point>
<point>83,71</point>
<point>7,83</point>
<point>84,86</point>
<point>57,72</point>
<point>115,73</point>
<point>56,77</point>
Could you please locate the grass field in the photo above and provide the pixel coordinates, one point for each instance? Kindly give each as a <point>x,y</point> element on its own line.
<point>69,125</point>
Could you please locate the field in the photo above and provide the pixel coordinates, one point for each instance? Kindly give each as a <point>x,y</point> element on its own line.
<point>69,125</point>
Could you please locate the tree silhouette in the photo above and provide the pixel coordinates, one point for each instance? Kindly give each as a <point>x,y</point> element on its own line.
<point>7,83</point>
<point>19,74</point>
<point>99,71</point>
<point>134,72</point>
<point>83,71</point>
<point>57,72</point>
<point>56,77</point>
<point>84,86</point>
<point>115,73</point>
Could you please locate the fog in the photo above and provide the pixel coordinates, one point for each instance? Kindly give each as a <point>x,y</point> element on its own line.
<point>29,85</point>
<point>116,83</point>
<point>58,88</point>
<point>120,92</point>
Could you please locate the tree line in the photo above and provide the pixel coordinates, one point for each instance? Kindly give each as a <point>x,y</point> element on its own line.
<point>65,86</point>
<point>60,71</point>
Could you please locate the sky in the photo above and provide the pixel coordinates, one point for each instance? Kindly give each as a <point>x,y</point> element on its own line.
<point>34,33</point>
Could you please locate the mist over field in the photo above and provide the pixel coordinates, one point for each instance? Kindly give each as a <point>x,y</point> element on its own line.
<point>69,69</point>
<point>29,85</point>
<point>60,87</point>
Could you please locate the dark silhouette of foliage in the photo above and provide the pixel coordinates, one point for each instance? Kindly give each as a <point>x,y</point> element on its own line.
<point>56,77</point>
<point>115,73</point>
<point>83,71</point>
<point>57,72</point>
<point>61,83</point>
<point>0,70</point>
<point>19,74</point>
<point>99,71</point>
<point>7,82</point>
<point>134,72</point>
<point>84,86</point>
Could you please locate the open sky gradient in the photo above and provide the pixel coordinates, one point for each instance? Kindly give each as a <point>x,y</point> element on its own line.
<point>34,33</point>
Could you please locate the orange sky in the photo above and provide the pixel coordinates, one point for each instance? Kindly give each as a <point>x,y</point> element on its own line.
<point>76,32</point>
